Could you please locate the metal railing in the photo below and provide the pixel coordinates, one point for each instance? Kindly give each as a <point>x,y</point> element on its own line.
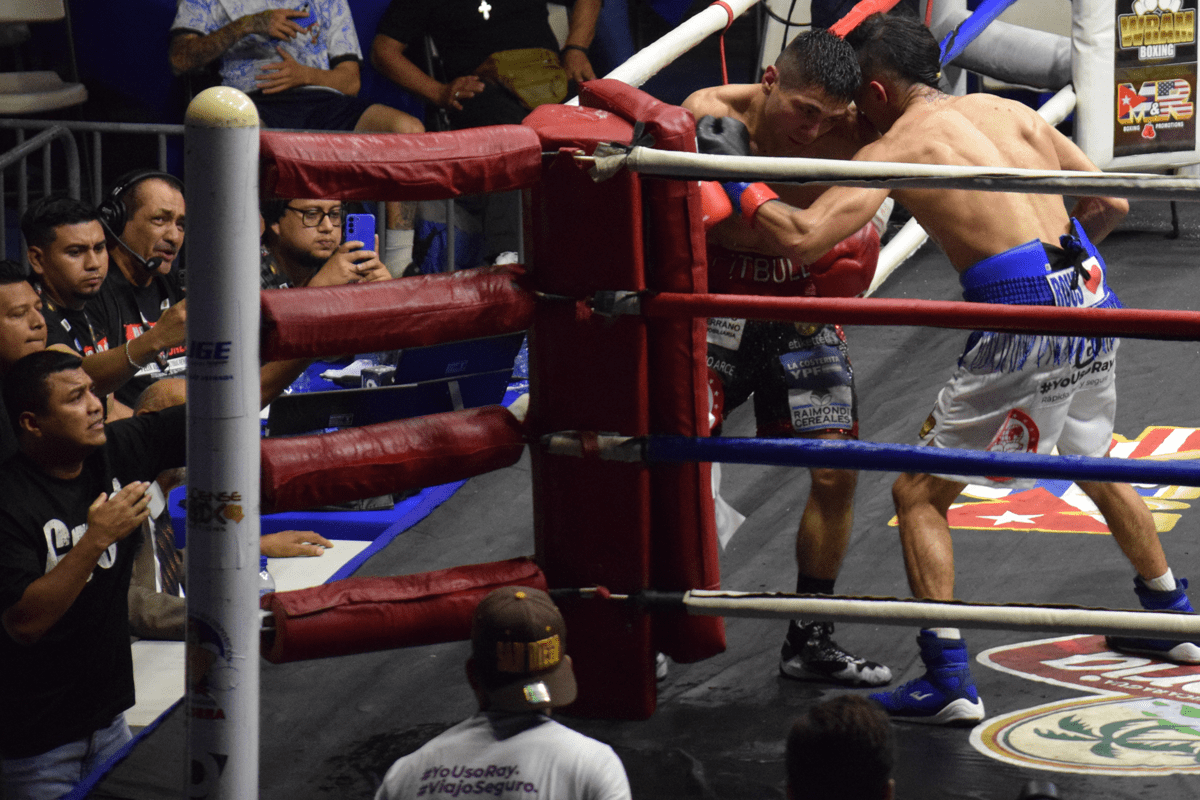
<point>45,134</point>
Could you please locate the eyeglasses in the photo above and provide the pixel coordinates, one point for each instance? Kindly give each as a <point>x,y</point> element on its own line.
<point>311,217</point>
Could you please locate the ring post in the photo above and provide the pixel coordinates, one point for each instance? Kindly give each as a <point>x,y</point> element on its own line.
<point>221,694</point>
<point>649,61</point>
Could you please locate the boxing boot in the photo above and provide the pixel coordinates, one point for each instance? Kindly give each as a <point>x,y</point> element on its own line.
<point>945,694</point>
<point>809,651</point>
<point>1166,649</point>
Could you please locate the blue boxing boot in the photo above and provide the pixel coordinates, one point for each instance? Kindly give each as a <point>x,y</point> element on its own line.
<point>1166,649</point>
<point>945,694</point>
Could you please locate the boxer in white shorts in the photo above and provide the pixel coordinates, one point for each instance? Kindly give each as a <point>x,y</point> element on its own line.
<point>1003,245</point>
<point>1021,393</point>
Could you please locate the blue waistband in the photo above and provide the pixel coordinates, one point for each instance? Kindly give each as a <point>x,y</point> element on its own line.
<point>1025,261</point>
<point>1025,275</point>
<point>1018,276</point>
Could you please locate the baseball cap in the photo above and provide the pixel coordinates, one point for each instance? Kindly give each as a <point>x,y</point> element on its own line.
<point>518,639</point>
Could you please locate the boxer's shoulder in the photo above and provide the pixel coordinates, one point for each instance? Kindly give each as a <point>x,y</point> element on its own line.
<point>721,101</point>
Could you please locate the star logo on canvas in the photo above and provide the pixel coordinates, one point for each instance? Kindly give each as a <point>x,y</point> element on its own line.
<point>1008,516</point>
<point>1061,507</point>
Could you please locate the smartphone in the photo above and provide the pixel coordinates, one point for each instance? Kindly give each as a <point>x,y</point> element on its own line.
<point>360,228</point>
<point>308,19</point>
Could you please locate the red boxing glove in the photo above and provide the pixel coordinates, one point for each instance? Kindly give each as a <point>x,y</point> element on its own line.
<point>848,268</point>
<point>714,204</point>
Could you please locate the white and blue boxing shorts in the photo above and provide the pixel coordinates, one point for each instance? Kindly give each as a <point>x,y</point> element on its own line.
<point>1025,393</point>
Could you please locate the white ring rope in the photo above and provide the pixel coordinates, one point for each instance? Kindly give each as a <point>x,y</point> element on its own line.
<point>647,62</point>
<point>879,174</point>
<point>650,60</point>
<point>926,613</point>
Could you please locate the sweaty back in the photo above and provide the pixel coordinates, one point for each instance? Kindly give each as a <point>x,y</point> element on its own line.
<point>979,130</point>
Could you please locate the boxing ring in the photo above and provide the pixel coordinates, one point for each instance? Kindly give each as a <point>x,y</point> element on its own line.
<point>643,377</point>
<point>638,373</point>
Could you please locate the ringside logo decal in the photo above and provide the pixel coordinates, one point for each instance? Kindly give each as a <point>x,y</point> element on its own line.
<point>1154,77</point>
<point>1145,721</point>
<point>1146,717</point>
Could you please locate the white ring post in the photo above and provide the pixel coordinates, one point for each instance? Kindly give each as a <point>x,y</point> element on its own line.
<point>777,35</point>
<point>647,62</point>
<point>221,163</point>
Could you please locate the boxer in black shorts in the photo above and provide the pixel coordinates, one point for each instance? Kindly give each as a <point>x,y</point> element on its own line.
<point>799,375</point>
<point>802,384</point>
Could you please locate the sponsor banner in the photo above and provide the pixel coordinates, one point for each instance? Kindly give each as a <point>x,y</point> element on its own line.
<point>1145,721</point>
<point>1154,77</point>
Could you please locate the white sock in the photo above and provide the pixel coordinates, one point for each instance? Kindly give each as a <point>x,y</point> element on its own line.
<point>397,251</point>
<point>1163,583</point>
<point>946,633</point>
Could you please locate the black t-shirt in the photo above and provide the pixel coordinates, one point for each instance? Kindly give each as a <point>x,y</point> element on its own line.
<point>123,311</point>
<point>463,36</point>
<point>79,675</point>
<point>8,439</point>
<point>73,328</point>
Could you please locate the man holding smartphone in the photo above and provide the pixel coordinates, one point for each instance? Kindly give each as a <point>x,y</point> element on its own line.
<point>302,241</point>
<point>299,61</point>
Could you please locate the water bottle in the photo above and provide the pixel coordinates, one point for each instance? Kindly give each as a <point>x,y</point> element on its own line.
<point>266,584</point>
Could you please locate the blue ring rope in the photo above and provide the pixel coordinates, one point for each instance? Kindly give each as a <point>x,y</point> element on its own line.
<point>839,454</point>
<point>969,29</point>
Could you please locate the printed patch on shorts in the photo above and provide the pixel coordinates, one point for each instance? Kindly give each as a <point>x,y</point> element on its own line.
<point>927,427</point>
<point>1085,293</point>
<point>821,409</point>
<point>819,389</point>
<point>1018,434</point>
<point>816,368</point>
<point>1085,376</point>
<point>807,328</point>
<point>726,332</point>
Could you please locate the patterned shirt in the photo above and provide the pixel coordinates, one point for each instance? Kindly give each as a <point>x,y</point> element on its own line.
<point>328,41</point>
<point>270,276</point>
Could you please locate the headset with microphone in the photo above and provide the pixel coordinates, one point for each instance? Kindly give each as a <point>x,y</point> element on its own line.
<point>114,214</point>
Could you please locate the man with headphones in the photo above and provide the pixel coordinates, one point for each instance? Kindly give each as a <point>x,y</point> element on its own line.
<point>66,246</point>
<point>143,217</point>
